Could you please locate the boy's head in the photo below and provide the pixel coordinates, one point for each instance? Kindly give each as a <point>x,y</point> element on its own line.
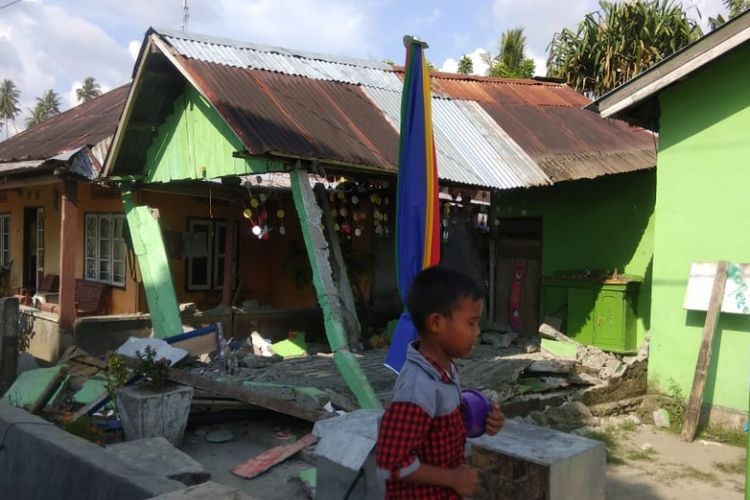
<point>446,305</point>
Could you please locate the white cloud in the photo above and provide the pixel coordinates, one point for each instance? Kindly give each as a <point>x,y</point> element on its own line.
<point>478,59</point>
<point>134,47</point>
<point>47,47</point>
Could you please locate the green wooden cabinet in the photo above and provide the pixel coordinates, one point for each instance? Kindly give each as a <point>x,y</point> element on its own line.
<point>596,313</point>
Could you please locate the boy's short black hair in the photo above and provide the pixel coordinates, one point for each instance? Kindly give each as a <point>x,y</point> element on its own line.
<point>438,290</point>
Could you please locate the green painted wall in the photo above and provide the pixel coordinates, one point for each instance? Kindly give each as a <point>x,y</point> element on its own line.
<point>703,214</point>
<point>194,142</point>
<point>603,223</point>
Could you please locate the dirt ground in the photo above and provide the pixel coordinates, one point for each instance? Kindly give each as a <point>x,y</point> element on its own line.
<point>645,463</point>
<point>672,469</point>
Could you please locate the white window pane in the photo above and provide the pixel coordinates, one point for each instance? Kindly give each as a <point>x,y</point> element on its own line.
<point>91,269</point>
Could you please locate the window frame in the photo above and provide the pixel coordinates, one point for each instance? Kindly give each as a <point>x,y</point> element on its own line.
<point>5,229</point>
<point>97,259</point>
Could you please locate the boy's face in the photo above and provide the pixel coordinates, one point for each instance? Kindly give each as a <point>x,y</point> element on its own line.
<point>457,333</point>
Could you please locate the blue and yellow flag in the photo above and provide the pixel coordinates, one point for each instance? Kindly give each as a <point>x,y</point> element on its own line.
<point>417,208</point>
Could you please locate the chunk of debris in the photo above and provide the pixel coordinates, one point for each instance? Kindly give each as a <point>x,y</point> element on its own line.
<point>261,346</point>
<point>549,366</point>
<point>661,418</point>
<point>157,455</point>
<point>498,340</point>
<point>31,385</point>
<point>209,489</point>
<point>568,416</point>
<point>559,350</point>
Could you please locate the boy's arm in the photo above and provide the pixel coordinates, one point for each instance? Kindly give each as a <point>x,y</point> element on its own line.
<point>402,431</point>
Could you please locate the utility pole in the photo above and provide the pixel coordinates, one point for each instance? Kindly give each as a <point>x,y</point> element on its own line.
<point>185,14</point>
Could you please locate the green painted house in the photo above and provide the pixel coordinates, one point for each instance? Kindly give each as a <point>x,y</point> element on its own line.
<point>698,101</point>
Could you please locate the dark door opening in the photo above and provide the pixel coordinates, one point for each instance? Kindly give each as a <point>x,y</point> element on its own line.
<point>518,274</point>
<point>33,247</point>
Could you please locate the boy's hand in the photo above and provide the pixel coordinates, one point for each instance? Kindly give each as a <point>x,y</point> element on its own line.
<point>495,420</point>
<point>465,480</point>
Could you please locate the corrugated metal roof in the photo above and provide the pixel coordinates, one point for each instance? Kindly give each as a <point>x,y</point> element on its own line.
<point>546,120</point>
<point>488,132</point>
<point>277,113</point>
<point>465,152</point>
<point>86,124</point>
<point>280,60</point>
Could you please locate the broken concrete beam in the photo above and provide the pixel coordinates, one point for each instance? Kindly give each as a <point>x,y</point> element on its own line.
<point>327,292</point>
<point>617,407</point>
<point>48,391</point>
<point>558,466</point>
<point>145,413</point>
<point>157,456</point>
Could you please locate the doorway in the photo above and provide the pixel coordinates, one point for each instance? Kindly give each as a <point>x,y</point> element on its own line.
<point>518,274</point>
<point>33,247</point>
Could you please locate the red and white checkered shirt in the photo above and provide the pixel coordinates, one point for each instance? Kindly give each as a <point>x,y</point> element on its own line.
<point>409,436</point>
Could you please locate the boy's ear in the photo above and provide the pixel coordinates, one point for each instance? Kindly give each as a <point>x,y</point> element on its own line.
<point>433,322</point>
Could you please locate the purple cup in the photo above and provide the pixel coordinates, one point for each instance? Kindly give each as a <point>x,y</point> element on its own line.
<point>475,407</point>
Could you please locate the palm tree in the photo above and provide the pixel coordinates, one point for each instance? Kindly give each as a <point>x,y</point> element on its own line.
<point>611,46</point>
<point>735,8</point>
<point>465,65</point>
<point>46,106</point>
<point>9,109</point>
<point>89,90</point>
<point>511,61</point>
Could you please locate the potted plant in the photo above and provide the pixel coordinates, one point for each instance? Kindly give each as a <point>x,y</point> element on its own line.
<point>154,407</point>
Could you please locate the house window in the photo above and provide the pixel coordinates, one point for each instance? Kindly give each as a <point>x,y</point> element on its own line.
<point>5,240</point>
<point>205,251</point>
<point>105,248</point>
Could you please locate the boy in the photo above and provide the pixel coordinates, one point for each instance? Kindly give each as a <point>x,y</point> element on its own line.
<point>420,448</point>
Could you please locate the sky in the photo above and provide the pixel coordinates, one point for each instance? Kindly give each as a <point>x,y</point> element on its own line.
<point>55,44</point>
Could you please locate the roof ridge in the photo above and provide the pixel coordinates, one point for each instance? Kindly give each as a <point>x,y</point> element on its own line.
<point>273,49</point>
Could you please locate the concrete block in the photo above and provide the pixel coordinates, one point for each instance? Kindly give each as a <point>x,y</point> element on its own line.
<point>158,456</point>
<point>558,466</point>
<point>562,350</point>
<point>145,413</point>
<point>40,460</point>
<point>346,456</point>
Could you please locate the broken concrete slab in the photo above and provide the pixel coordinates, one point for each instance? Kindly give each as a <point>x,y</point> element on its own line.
<point>157,456</point>
<point>566,417</point>
<point>560,350</point>
<point>209,489</point>
<point>91,390</point>
<point>27,388</point>
<point>661,418</point>
<point>498,340</point>
<point>549,366</point>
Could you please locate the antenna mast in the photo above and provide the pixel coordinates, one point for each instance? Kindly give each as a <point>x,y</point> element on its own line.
<point>185,14</point>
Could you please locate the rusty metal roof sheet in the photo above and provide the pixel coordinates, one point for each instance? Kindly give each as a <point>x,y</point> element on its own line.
<point>547,121</point>
<point>281,60</point>
<point>87,124</point>
<point>296,116</point>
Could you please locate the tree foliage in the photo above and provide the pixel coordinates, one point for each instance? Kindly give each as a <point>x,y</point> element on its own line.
<point>89,90</point>
<point>9,96</point>
<point>511,61</point>
<point>614,44</point>
<point>734,8</point>
<point>46,107</point>
<point>465,65</point>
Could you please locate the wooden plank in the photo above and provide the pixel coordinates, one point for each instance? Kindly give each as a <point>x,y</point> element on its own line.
<point>148,246</point>
<point>49,390</point>
<point>257,465</point>
<point>340,273</point>
<point>309,213</point>
<point>693,411</point>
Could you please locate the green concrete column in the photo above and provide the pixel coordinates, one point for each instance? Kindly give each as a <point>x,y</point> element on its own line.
<point>148,247</point>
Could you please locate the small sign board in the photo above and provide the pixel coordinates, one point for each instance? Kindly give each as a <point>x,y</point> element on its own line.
<point>736,292</point>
